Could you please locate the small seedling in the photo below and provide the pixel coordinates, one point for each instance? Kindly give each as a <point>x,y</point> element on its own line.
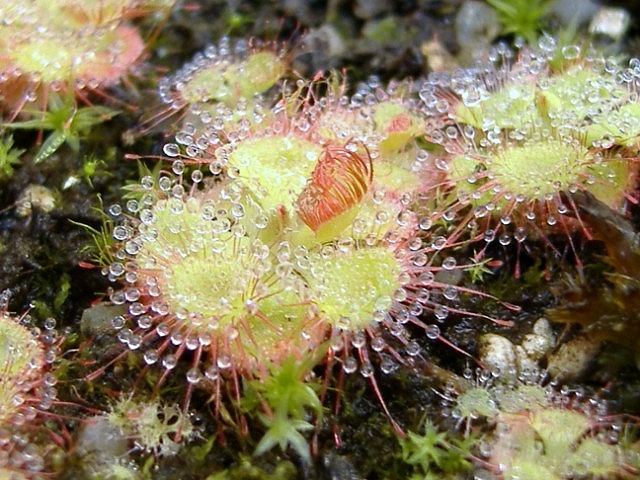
<point>69,124</point>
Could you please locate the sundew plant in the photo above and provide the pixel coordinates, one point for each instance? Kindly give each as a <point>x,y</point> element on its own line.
<point>309,223</point>
<point>296,253</point>
<point>287,229</point>
<point>519,135</point>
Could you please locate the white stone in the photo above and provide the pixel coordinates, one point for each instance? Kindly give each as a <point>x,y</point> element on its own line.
<point>497,352</point>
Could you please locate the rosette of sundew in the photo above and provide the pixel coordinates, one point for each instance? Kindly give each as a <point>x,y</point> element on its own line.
<point>536,430</point>
<point>221,85</point>
<point>312,158</point>
<point>199,283</point>
<point>27,387</point>
<point>46,49</point>
<point>521,136</point>
<point>369,169</point>
<point>509,189</point>
<point>577,436</point>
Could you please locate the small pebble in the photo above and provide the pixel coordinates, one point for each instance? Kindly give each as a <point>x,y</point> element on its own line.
<point>610,22</point>
<point>476,26</point>
<point>572,359</point>
<point>35,196</point>
<point>366,9</point>
<point>497,352</point>
<point>537,344</point>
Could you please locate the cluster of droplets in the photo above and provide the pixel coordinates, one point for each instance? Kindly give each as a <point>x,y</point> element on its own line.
<point>519,135</point>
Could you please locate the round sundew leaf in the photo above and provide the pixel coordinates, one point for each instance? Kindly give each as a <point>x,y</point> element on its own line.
<point>511,107</point>
<point>207,84</point>
<point>205,284</point>
<point>558,429</point>
<point>47,58</point>
<point>475,402</point>
<point>102,55</point>
<point>612,179</point>
<point>283,327</point>
<point>396,124</point>
<point>215,280</point>
<point>204,253</point>
<point>594,458</point>
<point>18,348</point>
<point>578,93</point>
<point>257,73</point>
<point>539,167</point>
<point>622,125</point>
<point>227,82</point>
<point>114,52</point>
<point>276,168</point>
<point>350,287</point>
<point>181,223</point>
<point>20,353</point>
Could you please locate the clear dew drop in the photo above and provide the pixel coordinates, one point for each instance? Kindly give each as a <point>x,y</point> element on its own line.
<point>150,357</point>
<point>377,344</point>
<point>223,362</point>
<point>388,365</point>
<point>350,365</point>
<point>432,332</point>
<point>169,361</point>
<point>171,149</point>
<point>366,370</point>
<point>193,376</point>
